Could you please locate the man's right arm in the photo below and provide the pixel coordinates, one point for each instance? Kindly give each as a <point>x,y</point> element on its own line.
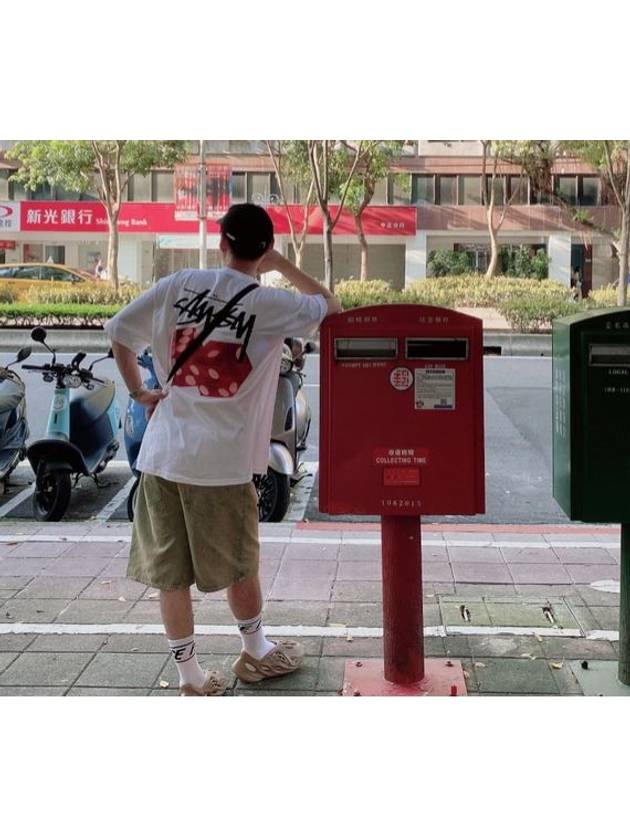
<point>273,261</point>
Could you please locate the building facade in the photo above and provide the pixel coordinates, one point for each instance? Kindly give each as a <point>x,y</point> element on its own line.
<point>431,201</point>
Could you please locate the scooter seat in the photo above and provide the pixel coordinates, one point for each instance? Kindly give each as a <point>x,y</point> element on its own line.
<point>11,394</point>
<point>86,407</point>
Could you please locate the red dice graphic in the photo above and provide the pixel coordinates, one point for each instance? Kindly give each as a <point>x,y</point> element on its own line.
<point>215,368</point>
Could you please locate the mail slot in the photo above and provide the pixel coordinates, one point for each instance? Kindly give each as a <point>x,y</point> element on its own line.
<point>591,407</point>
<point>401,412</point>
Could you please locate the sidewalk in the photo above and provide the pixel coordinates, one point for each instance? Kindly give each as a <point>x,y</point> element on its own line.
<point>522,608</point>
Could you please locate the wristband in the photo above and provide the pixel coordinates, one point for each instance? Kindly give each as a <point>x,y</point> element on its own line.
<point>137,392</point>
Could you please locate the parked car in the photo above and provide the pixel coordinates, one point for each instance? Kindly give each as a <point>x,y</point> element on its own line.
<point>43,271</point>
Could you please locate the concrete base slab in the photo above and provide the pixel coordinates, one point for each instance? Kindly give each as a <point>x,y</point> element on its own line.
<point>599,679</point>
<point>365,678</point>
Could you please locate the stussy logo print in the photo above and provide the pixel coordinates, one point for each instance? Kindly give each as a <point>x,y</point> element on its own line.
<point>217,368</point>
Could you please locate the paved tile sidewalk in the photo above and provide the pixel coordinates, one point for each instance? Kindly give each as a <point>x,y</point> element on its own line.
<point>481,589</point>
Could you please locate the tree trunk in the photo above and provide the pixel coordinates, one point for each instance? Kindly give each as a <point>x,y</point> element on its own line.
<point>363,275</point>
<point>112,250</point>
<point>298,255</point>
<point>622,282</point>
<point>494,251</point>
<point>328,253</point>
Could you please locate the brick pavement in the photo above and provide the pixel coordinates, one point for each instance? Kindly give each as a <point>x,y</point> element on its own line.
<point>483,589</point>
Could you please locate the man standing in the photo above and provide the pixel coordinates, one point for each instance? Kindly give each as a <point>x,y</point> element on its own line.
<point>196,518</point>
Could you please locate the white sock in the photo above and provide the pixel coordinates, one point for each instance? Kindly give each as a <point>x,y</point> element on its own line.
<point>183,651</point>
<point>253,635</point>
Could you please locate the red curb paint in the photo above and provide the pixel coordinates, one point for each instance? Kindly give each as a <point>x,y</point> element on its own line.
<point>476,529</point>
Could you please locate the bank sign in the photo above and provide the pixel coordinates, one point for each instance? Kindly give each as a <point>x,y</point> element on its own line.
<point>9,217</point>
<point>157,217</point>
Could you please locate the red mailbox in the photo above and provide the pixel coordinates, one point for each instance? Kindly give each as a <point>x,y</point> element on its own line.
<point>402,436</point>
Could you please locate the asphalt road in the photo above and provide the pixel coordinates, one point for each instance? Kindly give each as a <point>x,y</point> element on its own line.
<point>518,441</point>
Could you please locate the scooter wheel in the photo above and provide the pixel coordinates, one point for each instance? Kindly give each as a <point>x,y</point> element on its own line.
<point>131,500</point>
<point>52,494</point>
<point>274,495</point>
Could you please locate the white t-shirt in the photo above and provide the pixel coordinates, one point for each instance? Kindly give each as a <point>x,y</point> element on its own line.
<point>213,427</point>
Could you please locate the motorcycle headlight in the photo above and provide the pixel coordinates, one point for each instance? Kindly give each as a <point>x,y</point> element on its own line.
<point>70,380</point>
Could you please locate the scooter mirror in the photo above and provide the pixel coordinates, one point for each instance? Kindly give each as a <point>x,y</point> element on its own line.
<point>39,334</point>
<point>309,347</point>
<point>23,353</point>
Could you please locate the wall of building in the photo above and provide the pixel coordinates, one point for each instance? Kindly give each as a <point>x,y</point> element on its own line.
<point>385,262</point>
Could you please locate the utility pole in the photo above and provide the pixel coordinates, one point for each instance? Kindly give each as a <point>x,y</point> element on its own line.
<point>203,222</point>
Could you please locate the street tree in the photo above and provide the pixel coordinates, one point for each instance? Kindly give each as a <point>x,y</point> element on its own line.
<point>498,152</point>
<point>290,165</point>
<point>374,164</point>
<point>333,165</point>
<point>72,164</point>
<point>611,158</point>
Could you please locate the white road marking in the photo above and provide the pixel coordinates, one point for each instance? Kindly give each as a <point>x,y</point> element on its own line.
<point>112,506</point>
<point>293,540</point>
<point>15,501</point>
<point>303,631</point>
<point>613,586</point>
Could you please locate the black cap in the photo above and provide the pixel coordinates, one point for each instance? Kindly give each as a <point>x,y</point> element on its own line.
<point>249,230</point>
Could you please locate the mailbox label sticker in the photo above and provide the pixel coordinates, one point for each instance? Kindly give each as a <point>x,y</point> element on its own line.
<point>435,389</point>
<point>401,378</point>
<point>401,476</point>
<point>395,457</point>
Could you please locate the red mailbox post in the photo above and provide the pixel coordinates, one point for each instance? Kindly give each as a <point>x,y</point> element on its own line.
<point>401,437</point>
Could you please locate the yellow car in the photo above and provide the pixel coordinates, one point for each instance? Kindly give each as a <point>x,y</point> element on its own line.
<point>43,271</point>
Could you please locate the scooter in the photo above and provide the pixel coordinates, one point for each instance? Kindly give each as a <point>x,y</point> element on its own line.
<point>289,432</point>
<point>13,423</point>
<point>81,434</point>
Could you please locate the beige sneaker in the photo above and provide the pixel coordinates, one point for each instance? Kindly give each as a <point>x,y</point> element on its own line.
<point>215,684</point>
<point>285,658</point>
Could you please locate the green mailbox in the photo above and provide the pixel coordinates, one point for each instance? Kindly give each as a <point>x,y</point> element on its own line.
<point>591,433</point>
<point>591,415</point>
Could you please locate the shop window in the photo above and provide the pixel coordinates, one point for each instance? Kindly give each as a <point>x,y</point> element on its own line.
<point>469,189</point>
<point>400,189</point>
<point>163,187</point>
<point>33,253</point>
<point>62,194</point>
<point>4,184</point>
<point>499,189</point>
<point>238,187</point>
<point>589,191</point>
<point>17,191</point>
<point>91,193</point>
<point>447,189</point>
<point>423,189</point>
<point>258,187</point>
<point>380,192</point>
<point>55,254</point>
<point>566,188</point>
<point>44,192</point>
<point>518,189</point>
<point>140,188</point>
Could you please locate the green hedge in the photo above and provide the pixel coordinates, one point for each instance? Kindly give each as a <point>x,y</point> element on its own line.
<point>527,304</point>
<point>55,314</point>
<point>100,293</point>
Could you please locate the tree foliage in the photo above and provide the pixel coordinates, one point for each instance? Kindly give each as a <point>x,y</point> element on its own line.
<point>79,165</point>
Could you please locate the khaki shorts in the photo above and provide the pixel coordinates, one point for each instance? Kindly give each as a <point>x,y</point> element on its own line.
<point>185,534</point>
